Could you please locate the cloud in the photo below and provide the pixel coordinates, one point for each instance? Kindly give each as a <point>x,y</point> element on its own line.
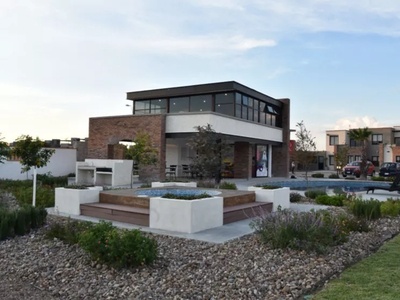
<point>358,122</point>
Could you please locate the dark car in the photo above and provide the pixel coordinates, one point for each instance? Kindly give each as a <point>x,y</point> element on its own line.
<point>353,169</point>
<point>389,169</point>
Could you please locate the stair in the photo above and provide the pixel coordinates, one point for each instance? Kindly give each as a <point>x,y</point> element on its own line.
<point>245,211</point>
<point>119,213</point>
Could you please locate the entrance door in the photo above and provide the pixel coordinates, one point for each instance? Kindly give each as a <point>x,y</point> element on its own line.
<point>321,162</point>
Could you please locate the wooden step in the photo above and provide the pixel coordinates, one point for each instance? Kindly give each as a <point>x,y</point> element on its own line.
<point>120,213</point>
<point>245,211</point>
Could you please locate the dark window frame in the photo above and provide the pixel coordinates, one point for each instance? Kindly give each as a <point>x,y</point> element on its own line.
<point>375,138</point>
<point>336,138</point>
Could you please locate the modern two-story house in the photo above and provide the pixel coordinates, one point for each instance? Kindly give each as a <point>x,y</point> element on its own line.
<point>255,125</point>
<point>383,145</point>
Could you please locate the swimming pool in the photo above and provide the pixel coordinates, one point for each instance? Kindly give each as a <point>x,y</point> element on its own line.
<point>345,185</point>
<point>180,192</point>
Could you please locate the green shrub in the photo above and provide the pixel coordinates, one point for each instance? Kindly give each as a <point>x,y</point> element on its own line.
<point>334,176</point>
<point>368,209</point>
<point>186,197</point>
<point>314,193</point>
<point>49,180</point>
<point>71,175</point>
<point>210,184</point>
<point>310,231</point>
<point>330,200</point>
<point>145,186</point>
<point>44,196</point>
<point>379,178</point>
<point>390,208</point>
<point>295,197</point>
<point>68,232</point>
<point>118,248</point>
<point>76,187</point>
<point>317,175</point>
<point>21,221</point>
<point>270,187</point>
<point>227,186</point>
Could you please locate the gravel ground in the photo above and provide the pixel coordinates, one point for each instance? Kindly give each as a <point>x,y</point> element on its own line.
<point>32,267</point>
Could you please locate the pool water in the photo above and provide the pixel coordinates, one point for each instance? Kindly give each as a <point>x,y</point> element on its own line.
<point>343,185</point>
<point>180,192</point>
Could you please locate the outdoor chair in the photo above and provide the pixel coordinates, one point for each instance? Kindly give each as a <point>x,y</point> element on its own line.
<point>185,170</point>
<point>394,187</point>
<point>171,171</point>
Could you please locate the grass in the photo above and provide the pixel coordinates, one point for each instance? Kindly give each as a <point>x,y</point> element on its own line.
<point>376,277</point>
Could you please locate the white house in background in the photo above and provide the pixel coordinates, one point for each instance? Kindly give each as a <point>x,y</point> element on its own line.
<point>61,163</point>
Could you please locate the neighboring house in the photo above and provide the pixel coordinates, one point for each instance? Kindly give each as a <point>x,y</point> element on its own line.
<point>383,145</point>
<point>255,125</point>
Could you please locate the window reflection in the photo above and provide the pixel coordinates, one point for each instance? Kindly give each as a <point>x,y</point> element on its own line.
<point>201,103</point>
<point>224,104</point>
<point>179,105</point>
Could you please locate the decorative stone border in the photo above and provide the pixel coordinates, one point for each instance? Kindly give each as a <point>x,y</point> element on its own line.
<point>68,201</point>
<point>186,216</point>
<point>280,196</point>
<point>169,184</point>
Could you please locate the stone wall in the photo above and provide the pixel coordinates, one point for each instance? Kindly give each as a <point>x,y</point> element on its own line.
<point>105,131</point>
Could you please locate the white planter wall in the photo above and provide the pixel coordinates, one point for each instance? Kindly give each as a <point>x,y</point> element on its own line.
<point>68,201</point>
<point>278,197</point>
<point>172,184</point>
<point>186,216</point>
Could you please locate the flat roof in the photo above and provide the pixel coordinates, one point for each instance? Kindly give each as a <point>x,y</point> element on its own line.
<point>208,88</point>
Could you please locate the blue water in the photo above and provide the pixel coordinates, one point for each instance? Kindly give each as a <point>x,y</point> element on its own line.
<point>345,185</point>
<point>181,192</point>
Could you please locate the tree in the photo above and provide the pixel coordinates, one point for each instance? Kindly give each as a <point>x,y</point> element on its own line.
<point>341,156</point>
<point>305,147</point>
<point>362,135</point>
<point>4,150</point>
<point>32,155</point>
<point>141,152</point>
<point>211,148</point>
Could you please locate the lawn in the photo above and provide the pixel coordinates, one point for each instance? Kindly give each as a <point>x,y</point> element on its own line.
<point>376,277</point>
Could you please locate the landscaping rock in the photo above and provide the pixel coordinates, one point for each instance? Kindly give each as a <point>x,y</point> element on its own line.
<point>32,267</point>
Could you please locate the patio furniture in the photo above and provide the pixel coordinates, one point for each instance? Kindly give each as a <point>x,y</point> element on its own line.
<point>171,171</point>
<point>185,170</point>
<point>394,187</point>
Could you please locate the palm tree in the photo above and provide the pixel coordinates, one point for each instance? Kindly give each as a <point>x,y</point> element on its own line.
<point>362,135</point>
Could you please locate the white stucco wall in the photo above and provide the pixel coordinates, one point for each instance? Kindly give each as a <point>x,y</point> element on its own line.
<point>61,163</point>
<point>185,123</point>
<point>68,201</point>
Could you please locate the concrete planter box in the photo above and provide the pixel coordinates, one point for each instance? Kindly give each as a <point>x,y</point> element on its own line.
<point>172,184</point>
<point>186,216</point>
<point>278,197</point>
<point>68,201</point>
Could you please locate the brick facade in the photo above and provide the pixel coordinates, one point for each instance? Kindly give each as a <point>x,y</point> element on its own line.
<point>280,154</point>
<point>105,131</point>
<point>242,159</point>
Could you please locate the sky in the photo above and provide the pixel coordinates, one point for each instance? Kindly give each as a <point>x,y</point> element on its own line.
<point>62,62</point>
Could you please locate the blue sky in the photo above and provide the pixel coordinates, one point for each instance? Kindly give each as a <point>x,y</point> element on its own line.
<point>65,61</point>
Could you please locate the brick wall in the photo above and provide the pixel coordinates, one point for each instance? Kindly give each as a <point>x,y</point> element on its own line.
<point>396,152</point>
<point>105,131</point>
<point>242,160</point>
<point>280,154</point>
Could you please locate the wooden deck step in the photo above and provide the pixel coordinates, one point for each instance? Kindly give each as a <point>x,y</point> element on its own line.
<point>120,213</point>
<point>245,211</point>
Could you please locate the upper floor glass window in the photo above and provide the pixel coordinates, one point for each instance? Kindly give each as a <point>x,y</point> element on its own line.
<point>201,103</point>
<point>377,139</point>
<point>334,140</point>
<point>156,106</point>
<point>179,105</point>
<point>224,103</point>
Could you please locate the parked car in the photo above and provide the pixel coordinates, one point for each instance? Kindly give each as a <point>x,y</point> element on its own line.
<point>389,169</point>
<point>353,169</point>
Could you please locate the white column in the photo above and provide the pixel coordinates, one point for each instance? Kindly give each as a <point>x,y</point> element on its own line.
<point>269,160</point>
<point>34,187</point>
